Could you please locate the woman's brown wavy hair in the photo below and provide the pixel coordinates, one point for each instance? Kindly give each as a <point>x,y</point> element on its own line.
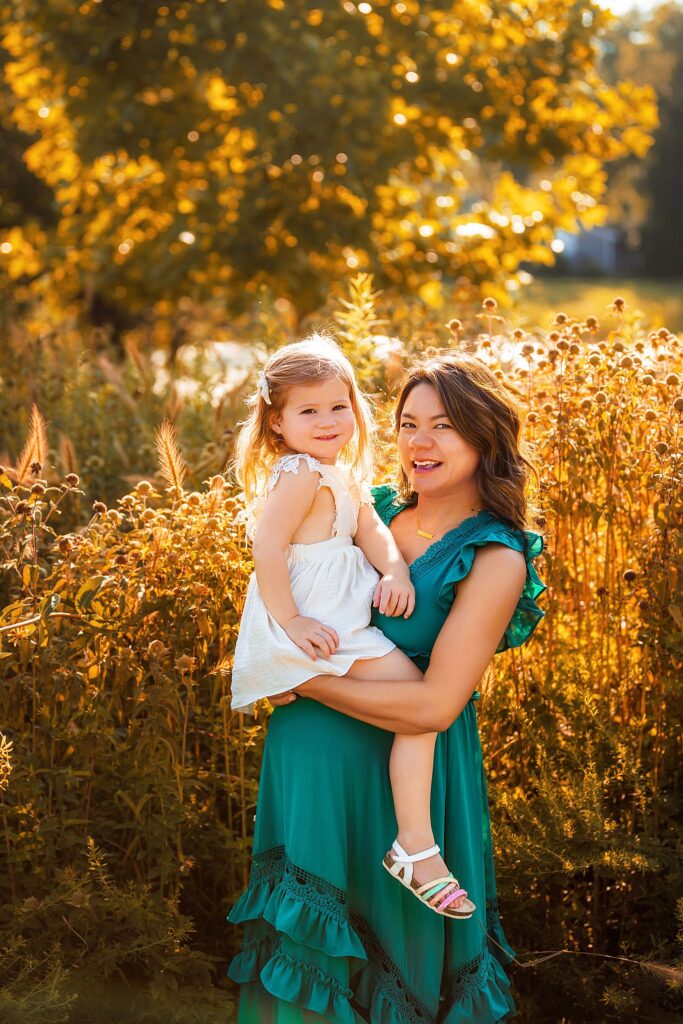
<point>487,415</point>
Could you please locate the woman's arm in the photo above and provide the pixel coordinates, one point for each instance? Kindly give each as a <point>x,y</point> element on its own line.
<point>484,604</point>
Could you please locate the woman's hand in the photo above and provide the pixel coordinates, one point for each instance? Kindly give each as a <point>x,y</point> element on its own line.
<point>283,698</point>
<point>395,594</point>
<point>311,635</point>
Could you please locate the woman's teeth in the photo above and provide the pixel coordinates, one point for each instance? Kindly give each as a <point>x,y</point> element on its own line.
<point>424,466</point>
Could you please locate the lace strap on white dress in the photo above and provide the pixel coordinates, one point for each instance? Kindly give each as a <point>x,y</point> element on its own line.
<point>346,509</point>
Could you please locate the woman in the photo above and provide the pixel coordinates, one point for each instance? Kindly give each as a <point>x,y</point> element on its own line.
<point>328,935</point>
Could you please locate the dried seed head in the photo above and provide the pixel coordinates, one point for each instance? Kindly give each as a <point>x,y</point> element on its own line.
<point>619,305</point>
<point>532,417</point>
<point>144,487</point>
<point>553,354</point>
<point>38,488</point>
<point>630,575</point>
<point>592,323</point>
<point>586,404</point>
<point>600,397</point>
<point>661,448</point>
<point>548,408</point>
<point>672,380</point>
<point>527,350</point>
<point>678,404</point>
<point>22,507</point>
<point>663,333</point>
<point>490,305</point>
<point>554,336</point>
<point>99,507</point>
<point>626,363</point>
<point>72,479</point>
<point>36,467</point>
<point>648,379</point>
<point>518,334</point>
<point>594,359</point>
<point>454,326</point>
<point>619,346</point>
<point>574,350</point>
<point>650,415</point>
<point>561,318</point>
<point>562,345</point>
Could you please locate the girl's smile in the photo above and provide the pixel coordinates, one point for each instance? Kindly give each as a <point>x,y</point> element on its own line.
<point>317,419</point>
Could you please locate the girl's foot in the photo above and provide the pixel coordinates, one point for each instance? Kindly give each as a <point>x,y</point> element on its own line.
<point>428,877</point>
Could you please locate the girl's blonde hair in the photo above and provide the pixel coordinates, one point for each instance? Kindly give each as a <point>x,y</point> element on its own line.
<point>316,358</point>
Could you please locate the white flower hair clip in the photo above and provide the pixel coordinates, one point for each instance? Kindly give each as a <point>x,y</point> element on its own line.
<point>262,387</point>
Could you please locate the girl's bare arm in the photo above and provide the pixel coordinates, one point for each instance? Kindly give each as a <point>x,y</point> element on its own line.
<point>483,607</point>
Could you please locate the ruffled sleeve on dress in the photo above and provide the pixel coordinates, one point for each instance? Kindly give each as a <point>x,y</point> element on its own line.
<point>384,498</point>
<point>527,614</point>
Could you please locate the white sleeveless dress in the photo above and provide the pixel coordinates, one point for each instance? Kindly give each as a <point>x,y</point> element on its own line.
<point>331,581</point>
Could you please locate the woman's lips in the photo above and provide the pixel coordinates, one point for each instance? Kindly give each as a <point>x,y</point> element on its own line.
<point>426,466</point>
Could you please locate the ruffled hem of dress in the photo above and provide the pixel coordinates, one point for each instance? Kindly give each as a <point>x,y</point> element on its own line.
<point>273,914</point>
<point>305,925</point>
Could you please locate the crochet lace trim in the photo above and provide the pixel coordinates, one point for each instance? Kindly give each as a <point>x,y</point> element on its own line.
<point>275,867</point>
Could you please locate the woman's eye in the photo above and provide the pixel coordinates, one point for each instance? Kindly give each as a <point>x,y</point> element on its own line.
<point>446,426</point>
<point>406,424</point>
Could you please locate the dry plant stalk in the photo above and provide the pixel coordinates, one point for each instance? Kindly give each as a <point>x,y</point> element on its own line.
<point>35,448</point>
<point>171,463</point>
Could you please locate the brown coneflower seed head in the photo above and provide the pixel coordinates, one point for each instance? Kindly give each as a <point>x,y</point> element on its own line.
<point>650,415</point>
<point>586,404</point>
<point>532,417</point>
<point>600,397</point>
<point>562,345</point>
<point>38,488</point>
<point>144,487</point>
<point>548,408</point>
<point>661,448</point>
<point>554,336</point>
<point>618,346</point>
<point>619,304</point>
<point>518,334</point>
<point>561,318</point>
<point>490,305</point>
<point>99,507</point>
<point>574,350</point>
<point>454,326</point>
<point>36,468</point>
<point>630,575</point>
<point>594,359</point>
<point>678,404</point>
<point>22,507</point>
<point>527,350</point>
<point>592,323</point>
<point>553,354</point>
<point>72,479</point>
<point>663,333</point>
<point>626,363</point>
<point>672,380</point>
<point>648,379</point>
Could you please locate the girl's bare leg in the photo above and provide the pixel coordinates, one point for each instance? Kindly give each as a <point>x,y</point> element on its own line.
<point>410,769</point>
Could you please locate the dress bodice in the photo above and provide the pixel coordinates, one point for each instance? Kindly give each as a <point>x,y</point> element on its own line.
<point>436,573</point>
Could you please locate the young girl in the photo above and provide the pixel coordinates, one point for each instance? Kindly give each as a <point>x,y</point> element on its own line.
<point>316,539</point>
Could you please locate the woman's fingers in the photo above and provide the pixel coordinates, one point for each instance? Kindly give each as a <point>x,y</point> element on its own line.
<point>410,606</point>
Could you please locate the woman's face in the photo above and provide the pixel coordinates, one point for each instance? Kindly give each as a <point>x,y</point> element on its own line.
<point>436,459</point>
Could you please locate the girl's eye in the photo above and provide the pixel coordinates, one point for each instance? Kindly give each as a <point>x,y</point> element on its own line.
<point>304,411</point>
<point>341,407</point>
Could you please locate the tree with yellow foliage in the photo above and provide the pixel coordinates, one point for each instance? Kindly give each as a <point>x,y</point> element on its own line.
<point>204,148</point>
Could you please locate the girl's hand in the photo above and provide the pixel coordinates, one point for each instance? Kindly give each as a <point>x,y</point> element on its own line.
<point>395,595</point>
<point>311,636</point>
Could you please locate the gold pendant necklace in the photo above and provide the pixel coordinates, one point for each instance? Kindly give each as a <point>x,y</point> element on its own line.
<point>430,536</point>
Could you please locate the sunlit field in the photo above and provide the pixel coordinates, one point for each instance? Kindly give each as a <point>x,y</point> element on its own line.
<point>129,786</point>
<point>659,302</point>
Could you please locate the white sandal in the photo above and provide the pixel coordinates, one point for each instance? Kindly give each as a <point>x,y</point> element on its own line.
<point>401,867</point>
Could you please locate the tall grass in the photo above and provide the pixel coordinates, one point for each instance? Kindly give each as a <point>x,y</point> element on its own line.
<point>128,792</point>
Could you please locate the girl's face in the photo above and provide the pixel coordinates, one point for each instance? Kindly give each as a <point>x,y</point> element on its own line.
<point>317,419</point>
<point>436,459</point>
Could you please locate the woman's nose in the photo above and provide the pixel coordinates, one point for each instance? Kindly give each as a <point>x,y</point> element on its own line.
<point>420,439</point>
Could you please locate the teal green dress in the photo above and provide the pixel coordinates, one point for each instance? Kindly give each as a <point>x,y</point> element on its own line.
<point>328,934</point>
